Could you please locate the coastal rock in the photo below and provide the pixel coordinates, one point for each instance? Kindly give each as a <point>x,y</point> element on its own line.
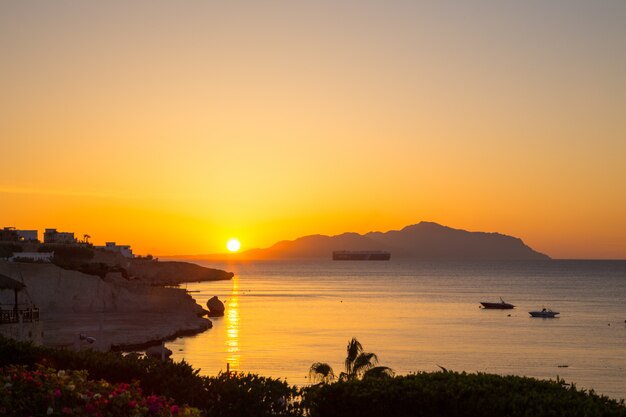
<point>215,306</point>
<point>159,352</point>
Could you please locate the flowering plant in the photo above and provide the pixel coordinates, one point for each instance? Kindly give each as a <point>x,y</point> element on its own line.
<point>46,392</point>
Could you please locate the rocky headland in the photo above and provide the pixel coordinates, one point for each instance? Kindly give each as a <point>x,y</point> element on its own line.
<point>129,308</point>
<point>173,273</point>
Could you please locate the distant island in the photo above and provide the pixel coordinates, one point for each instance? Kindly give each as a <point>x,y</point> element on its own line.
<point>422,241</point>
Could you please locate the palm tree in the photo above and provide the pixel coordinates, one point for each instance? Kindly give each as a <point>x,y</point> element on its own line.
<point>354,350</point>
<point>321,372</point>
<point>358,364</point>
<point>357,361</point>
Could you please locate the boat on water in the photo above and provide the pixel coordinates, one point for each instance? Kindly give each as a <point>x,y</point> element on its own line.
<point>361,255</point>
<point>502,305</point>
<point>545,313</point>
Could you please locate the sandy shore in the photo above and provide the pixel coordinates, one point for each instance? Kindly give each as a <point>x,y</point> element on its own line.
<point>115,311</point>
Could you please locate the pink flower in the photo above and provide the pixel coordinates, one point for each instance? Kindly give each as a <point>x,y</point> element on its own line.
<point>56,393</point>
<point>153,403</point>
<point>174,409</point>
<point>90,408</point>
<point>132,404</point>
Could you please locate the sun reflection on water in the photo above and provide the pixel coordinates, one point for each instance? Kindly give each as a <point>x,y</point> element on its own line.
<point>232,327</point>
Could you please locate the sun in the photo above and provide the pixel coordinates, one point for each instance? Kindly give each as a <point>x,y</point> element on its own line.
<point>233,245</point>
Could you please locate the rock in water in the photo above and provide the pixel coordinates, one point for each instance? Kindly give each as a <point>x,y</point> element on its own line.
<point>215,305</point>
<point>159,352</point>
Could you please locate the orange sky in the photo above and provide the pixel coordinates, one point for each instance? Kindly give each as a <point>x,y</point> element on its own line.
<point>172,126</point>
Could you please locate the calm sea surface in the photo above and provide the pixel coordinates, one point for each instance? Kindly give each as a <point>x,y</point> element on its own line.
<point>283,316</point>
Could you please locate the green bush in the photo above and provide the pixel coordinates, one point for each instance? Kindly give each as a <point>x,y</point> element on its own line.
<point>45,391</point>
<point>453,394</point>
<point>176,380</point>
<point>249,395</point>
<point>225,395</point>
<point>64,253</point>
<point>441,394</point>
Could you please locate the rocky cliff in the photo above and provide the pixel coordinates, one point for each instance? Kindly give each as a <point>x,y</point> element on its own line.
<point>113,310</point>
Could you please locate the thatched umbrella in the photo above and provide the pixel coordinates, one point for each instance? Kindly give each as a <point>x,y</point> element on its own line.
<point>7,283</point>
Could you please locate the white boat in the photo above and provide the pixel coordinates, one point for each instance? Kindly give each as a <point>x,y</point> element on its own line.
<point>544,313</point>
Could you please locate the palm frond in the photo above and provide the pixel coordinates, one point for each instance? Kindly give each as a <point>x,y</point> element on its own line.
<point>363,362</point>
<point>353,349</point>
<point>379,372</point>
<point>321,372</point>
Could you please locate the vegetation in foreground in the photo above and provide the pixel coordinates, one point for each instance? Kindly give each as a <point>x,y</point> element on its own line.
<point>455,394</point>
<point>71,393</point>
<point>355,394</point>
<point>225,395</point>
<point>359,364</point>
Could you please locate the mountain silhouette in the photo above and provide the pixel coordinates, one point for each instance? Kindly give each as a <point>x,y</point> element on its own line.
<point>422,241</point>
<point>427,240</point>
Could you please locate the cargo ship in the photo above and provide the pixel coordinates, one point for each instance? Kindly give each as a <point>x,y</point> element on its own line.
<point>361,255</point>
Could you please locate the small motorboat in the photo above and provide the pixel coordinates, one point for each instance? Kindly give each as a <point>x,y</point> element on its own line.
<point>502,305</point>
<point>544,313</point>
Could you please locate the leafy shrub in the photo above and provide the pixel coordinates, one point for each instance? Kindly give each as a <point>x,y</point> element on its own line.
<point>446,394</point>
<point>249,395</point>
<point>75,257</point>
<point>47,392</point>
<point>176,380</point>
<point>225,395</point>
<point>454,394</point>
<point>68,253</point>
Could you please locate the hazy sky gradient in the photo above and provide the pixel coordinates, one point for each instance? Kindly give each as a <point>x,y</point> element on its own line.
<point>175,125</point>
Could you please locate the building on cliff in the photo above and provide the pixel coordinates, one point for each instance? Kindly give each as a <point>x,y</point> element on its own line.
<point>11,234</point>
<point>53,236</point>
<point>124,250</point>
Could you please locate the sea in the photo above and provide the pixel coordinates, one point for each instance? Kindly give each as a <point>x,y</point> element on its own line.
<point>416,316</point>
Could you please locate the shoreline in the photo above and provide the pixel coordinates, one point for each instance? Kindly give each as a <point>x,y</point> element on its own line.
<point>117,312</point>
<point>157,342</point>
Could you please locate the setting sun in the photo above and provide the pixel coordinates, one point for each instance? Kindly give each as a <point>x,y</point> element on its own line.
<point>233,245</point>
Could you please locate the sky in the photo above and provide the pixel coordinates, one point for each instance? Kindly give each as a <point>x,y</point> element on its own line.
<point>173,126</point>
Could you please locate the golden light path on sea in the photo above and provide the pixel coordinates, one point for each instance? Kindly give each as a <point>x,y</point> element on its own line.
<point>232,327</point>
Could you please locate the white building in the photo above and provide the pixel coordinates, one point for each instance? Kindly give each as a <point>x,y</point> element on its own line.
<point>28,235</point>
<point>13,234</point>
<point>32,256</point>
<point>52,236</point>
<point>124,250</point>
<point>22,235</point>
